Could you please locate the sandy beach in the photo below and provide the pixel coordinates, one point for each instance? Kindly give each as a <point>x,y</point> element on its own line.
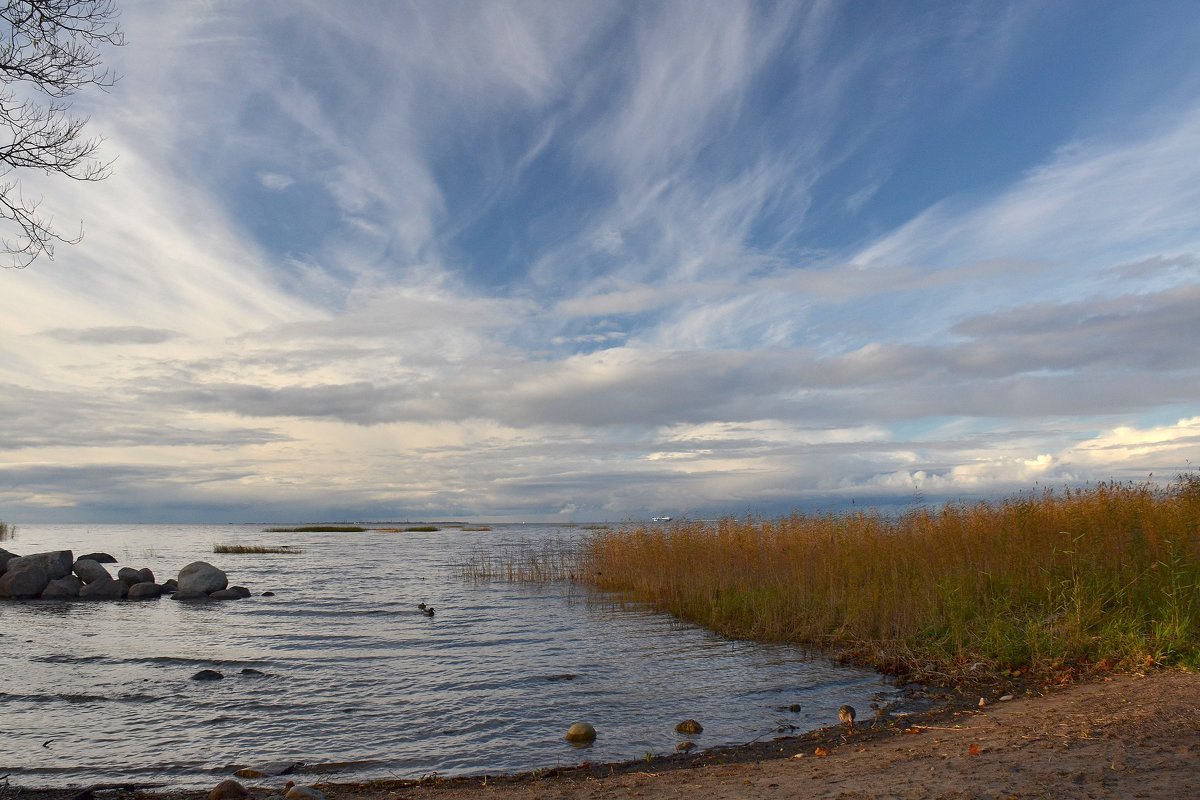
<point>1129,736</point>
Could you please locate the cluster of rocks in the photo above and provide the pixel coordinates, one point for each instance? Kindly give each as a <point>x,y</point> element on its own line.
<point>58,575</point>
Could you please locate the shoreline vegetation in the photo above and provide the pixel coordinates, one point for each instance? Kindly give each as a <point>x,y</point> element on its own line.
<point>1039,587</point>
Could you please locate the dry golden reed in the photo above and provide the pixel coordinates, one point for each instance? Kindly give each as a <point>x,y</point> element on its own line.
<point>1102,577</point>
<point>244,549</point>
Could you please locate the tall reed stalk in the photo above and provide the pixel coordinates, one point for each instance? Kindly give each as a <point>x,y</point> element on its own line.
<point>7,531</point>
<point>1103,577</point>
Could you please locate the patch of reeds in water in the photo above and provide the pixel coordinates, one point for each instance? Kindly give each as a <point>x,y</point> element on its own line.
<point>318,529</point>
<point>1106,577</point>
<point>526,562</point>
<point>7,531</point>
<point>240,549</point>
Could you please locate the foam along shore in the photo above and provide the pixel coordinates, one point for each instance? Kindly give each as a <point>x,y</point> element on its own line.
<point>1119,736</point>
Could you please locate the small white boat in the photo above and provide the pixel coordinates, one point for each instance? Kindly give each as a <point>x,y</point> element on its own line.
<point>660,519</point>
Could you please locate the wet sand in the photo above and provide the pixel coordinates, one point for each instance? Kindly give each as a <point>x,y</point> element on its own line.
<point>1128,736</point>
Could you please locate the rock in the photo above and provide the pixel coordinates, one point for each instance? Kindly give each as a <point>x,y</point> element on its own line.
<point>104,589</point>
<point>99,558</point>
<point>225,594</point>
<point>242,590</point>
<point>5,557</point>
<point>685,746</point>
<point>25,581</point>
<point>57,563</point>
<point>207,675</point>
<point>794,708</point>
<point>189,595</point>
<point>170,585</point>
<point>129,576</point>
<point>62,589</point>
<point>228,789</point>
<point>846,715</point>
<point>146,575</point>
<point>268,594</point>
<point>90,570</point>
<point>689,726</point>
<point>145,591</point>
<point>252,671</point>
<point>304,793</point>
<point>200,576</point>
<point>248,772</point>
<point>581,732</point>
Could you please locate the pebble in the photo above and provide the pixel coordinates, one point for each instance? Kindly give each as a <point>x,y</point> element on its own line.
<point>304,793</point>
<point>689,726</point>
<point>228,789</point>
<point>581,732</point>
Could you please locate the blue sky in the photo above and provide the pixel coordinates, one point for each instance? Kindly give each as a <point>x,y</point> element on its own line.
<point>588,261</point>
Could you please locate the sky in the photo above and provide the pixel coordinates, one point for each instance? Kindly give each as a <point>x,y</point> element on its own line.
<point>585,261</point>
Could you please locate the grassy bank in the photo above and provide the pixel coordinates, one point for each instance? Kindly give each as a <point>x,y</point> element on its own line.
<point>1106,577</point>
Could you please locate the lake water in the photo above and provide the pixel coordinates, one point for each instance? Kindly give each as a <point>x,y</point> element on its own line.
<point>359,683</point>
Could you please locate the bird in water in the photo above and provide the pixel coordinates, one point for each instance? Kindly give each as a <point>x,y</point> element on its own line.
<point>421,606</point>
<point>846,715</point>
<point>428,611</point>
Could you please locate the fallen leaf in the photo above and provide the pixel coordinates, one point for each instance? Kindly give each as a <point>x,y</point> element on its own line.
<point>973,750</point>
<point>913,730</point>
<point>820,752</point>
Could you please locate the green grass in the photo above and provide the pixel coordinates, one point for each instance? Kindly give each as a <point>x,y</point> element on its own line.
<point>318,529</point>
<point>255,548</point>
<point>1053,583</point>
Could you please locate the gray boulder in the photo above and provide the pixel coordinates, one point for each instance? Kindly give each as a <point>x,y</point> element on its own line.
<point>99,558</point>
<point>62,589</point>
<point>208,675</point>
<point>129,576</point>
<point>145,591</point>
<point>57,563</point>
<point>104,589</point>
<point>200,576</point>
<point>5,557</point>
<point>146,575</point>
<point>189,595</point>
<point>227,594</point>
<point>25,581</point>
<point>89,570</point>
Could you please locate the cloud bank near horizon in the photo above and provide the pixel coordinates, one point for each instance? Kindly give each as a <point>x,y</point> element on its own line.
<point>598,261</point>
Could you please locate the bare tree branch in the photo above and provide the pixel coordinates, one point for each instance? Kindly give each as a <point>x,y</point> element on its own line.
<point>53,48</point>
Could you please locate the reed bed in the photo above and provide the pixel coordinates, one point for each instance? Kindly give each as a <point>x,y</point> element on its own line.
<point>242,549</point>
<point>7,531</point>
<point>318,529</point>
<point>546,562</point>
<point>1052,583</point>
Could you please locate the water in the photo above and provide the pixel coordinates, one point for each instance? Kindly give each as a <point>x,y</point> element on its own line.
<point>359,683</point>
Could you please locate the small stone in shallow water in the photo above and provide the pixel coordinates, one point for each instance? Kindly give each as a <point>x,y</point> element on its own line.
<point>304,793</point>
<point>228,789</point>
<point>207,675</point>
<point>794,708</point>
<point>689,726</point>
<point>252,671</point>
<point>581,732</point>
<point>683,747</point>
<point>268,594</point>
